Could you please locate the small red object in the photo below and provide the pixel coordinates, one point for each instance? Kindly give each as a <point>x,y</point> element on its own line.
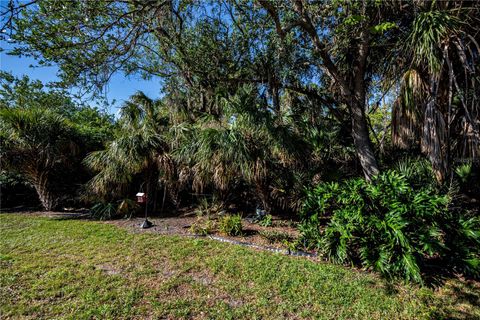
<point>141,197</point>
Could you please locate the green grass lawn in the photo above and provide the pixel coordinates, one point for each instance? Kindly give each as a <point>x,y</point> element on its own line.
<point>82,270</point>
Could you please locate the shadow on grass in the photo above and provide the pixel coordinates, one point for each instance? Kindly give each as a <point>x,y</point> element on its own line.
<point>454,296</point>
<point>457,299</point>
<point>20,209</point>
<point>56,215</point>
<point>70,216</point>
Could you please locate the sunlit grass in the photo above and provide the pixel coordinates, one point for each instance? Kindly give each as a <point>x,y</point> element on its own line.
<point>81,270</point>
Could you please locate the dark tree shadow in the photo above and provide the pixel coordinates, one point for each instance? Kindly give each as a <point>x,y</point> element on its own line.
<point>70,216</point>
<point>458,299</point>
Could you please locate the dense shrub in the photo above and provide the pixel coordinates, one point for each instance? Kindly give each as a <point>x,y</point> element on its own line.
<point>391,225</point>
<point>230,225</point>
<point>462,242</point>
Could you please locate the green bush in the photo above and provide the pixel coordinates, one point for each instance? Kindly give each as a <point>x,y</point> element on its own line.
<point>104,211</point>
<point>203,227</point>
<point>230,225</point>
<point>266,221</point>
<point>462,242</point>
<point>464,172</point>
<point>390,225</point>
<point>310,234</point>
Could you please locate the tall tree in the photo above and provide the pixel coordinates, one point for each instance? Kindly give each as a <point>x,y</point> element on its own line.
<point>316,23</point>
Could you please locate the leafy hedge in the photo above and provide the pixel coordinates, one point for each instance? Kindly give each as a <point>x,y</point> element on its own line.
<point>391,225</point>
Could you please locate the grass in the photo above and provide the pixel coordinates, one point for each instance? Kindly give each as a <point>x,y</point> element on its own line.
<point>76,269</point>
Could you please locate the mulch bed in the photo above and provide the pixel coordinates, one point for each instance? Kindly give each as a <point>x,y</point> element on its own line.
<point>181,226</point>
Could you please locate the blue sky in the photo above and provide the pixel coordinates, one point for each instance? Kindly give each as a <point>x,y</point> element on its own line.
<point>119,88</point>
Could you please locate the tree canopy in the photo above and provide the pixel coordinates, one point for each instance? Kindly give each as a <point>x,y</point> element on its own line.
<point>332,56</point>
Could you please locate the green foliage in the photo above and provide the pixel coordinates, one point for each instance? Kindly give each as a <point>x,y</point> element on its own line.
<point>38,144</point>
<point>25,93</point>
<point>203,226</point>
<point>230,225</point>
<point>464,172</point>
<point>104,211</point>
<point>388,225</point>
<point>257,100</point>
<point>96,126</point>
<point>15,190</point>
<point>266,221</point>
<point>383,27</point>
<point>353,19</point>
<point>428,31</point>
<point>418,172</point>
<point>462,241</point>
<point>45,135</point>
<point>137,148</point>
<point>310,234</point>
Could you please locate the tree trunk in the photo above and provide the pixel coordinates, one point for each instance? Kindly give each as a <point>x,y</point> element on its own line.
<point>46,196</point>
<point>361,139</point>
<point>151,188</point>
<point>434,139</point>
<point>163,199</point>
<point>357,99</point>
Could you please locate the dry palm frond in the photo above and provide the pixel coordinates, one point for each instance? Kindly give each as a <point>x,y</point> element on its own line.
<point>184,176</point>
<point>470,146</point>
<point>407,110</point>
<point>433,140</point>
<point>441,116</point>
<point>166,165</point>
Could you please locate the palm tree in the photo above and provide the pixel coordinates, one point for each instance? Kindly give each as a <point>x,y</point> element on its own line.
<point>137,149</point>
<point>37,143</point>
<point>243,144</point>
<point>437,107</point>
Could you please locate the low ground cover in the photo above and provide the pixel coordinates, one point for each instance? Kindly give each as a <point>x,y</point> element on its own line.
<point>54,268</point>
